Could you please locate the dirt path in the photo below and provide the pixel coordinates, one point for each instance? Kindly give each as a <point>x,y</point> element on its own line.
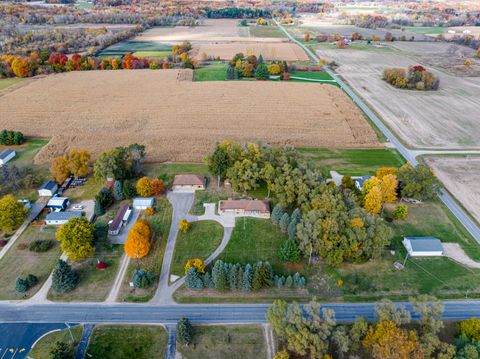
<point>112,296</point>
<point>269,341</point>
<point>455,252</point>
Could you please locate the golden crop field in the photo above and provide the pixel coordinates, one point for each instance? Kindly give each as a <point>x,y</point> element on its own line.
<point>178,120</point>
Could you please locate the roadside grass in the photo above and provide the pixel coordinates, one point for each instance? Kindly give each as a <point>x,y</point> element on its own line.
<point>427,30</point>
<point>160,223</point>
<point>266,31</point>
<point>352,162</point>
<point>323,75</point>
<point>215,71</point>
<point>254,240</point>
<point>200,241</point>
<point>225,341</point>
<point>19,262</point>
<point>152,54</point>
<point>167,171</point>
<point>88,191</point>
<point>4,83</point>
<point>47,343</point>
<point>127,341</point>
<point>94,285</point>
<point>434,219</point>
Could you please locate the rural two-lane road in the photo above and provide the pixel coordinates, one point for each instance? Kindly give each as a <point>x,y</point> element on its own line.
<point>408,154</point>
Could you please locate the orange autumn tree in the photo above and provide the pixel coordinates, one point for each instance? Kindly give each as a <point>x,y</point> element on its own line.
<point>158,186</point>
<point>137,245</point>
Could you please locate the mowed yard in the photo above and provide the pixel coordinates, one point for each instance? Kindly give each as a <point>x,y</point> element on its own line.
<point>179,120</point>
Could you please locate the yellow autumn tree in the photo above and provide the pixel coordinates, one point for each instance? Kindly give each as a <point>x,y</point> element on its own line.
<point>386,340</point>
<point>388,186</point>
<point>144,187</point>
<point>138,241</point>
<point>370,183</point>
<point>383,171</point>
<point>78,161</point>
<point>373,200</point>
<point>197,263</point>
<point>183,227</point>
<point>59,169</point>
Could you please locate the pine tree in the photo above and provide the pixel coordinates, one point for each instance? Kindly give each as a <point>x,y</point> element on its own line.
<point>239,278</point>
<point>63,278</point>
<point>184,332</point>
<point>262,72</point>
<point>289,281</point>
<point>260,59</point>
<point>21,285</point>
<point>261,276</point>
<point>232,277</point>
<point>207,279</point>
<point>277,213</point>
<point>129,190</point>
<point>292,226</point>
<point>221,284</point>
<point>216,270</point>
<point>284,222</point>
<point>118,190</point>
<point>193,279</point>
<point>289,252</point>
<point>247,278</point>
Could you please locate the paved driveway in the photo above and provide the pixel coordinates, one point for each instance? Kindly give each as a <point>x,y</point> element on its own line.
<point>122,237</point>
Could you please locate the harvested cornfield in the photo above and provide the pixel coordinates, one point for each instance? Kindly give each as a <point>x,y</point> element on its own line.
<point>279,51</point>
<point>178,120</point>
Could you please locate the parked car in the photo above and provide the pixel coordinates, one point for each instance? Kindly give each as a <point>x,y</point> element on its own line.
<point>77,207</point>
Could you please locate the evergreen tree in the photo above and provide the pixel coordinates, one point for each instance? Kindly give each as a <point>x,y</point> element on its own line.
<point>193,279</point>
<point>247,278</point>
<point>184,332</point>
<point>235,74</point>
<point>31,280</point>
<point>289,281</point>
<point>262,72</point>
<point>207,279</point>
<point>222,283</point>
<point>21,285</point>
<point>118,190</point>
<point>3,137</point>
<point>229,74</point>
<point>260,59</point>
<point>261,276</point>
<point>63,278</point>
<point>239,278</point>
<point>284,222</point>
<point>277,213</point>
<point>104,197</point>
<point>98,209</point>
<point>61,350</point>
<point>18,138</point>
<point>232,277</point>
<point>292,226</point>
<point>216,270</point>
<point>289,252</point>
<point>129,190</point>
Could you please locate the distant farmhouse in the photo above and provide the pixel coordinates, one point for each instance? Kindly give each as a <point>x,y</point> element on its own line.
<point>245,207</point>
<point>48,189</point>
<point>6,155</point>
<point>59,218</point>
<point>423,246</point>
<point>188,183</point>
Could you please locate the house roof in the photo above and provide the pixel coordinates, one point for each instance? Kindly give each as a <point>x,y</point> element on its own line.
<point>61,216</point>
<point>118,218</point>
<point>425,244</point>
<point>56,201</point>
<point>143,201</point>
<point>361,180</point>
<point>49,185</point>
<point>5,153</point>
<point>189,180</point>
<point>246,205</point>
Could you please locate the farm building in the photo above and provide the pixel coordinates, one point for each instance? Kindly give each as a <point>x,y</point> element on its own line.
<point>120,220</point>
<point>188,182</point>
<point>59,218</point>
<point>6,155</point>
<point>245,207</point>
<point>143,202</point>
<point>359,181</point>
<point>423,246</point>
<point>58,204</point>
<point>48,189</point>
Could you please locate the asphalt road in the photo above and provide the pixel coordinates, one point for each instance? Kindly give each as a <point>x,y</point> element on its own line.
<point>408,154</point>
<point>197,313</point>
<point>17,339</point>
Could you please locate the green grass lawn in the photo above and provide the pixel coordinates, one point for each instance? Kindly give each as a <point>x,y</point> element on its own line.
<point>266,31</point>
<point>94,285</point>
<point>352,162</point>
<point>88,191</point>
<point>47,343</point>
<point>213,72</point>
<point>122,47</point>
<point>4,83</point>
<point>127,341</point>
<point>19,261</point>
<point>427,30</point>
<point>254,240</point>
<point>27,152</point>
<point>152,54</point>
<point>311,75</point>
<point>206,196</point>
<point>225,341</point>
<point>160,224</point>
<point>200,241</point>
<point>167,171</point>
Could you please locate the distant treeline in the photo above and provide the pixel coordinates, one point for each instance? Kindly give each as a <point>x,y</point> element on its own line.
<point>237,13</point>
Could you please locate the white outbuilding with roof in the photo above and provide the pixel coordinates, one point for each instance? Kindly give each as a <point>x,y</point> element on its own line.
<point>143,203</point>
<point>423,246</point>
<point>6,155</point>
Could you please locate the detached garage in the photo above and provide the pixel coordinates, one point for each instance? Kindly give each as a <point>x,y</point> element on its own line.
<point>423,246</point>
<point>188,183</point>
<point>6,155</point>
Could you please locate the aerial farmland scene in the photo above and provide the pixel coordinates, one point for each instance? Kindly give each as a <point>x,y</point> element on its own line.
<point>240,179</point>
